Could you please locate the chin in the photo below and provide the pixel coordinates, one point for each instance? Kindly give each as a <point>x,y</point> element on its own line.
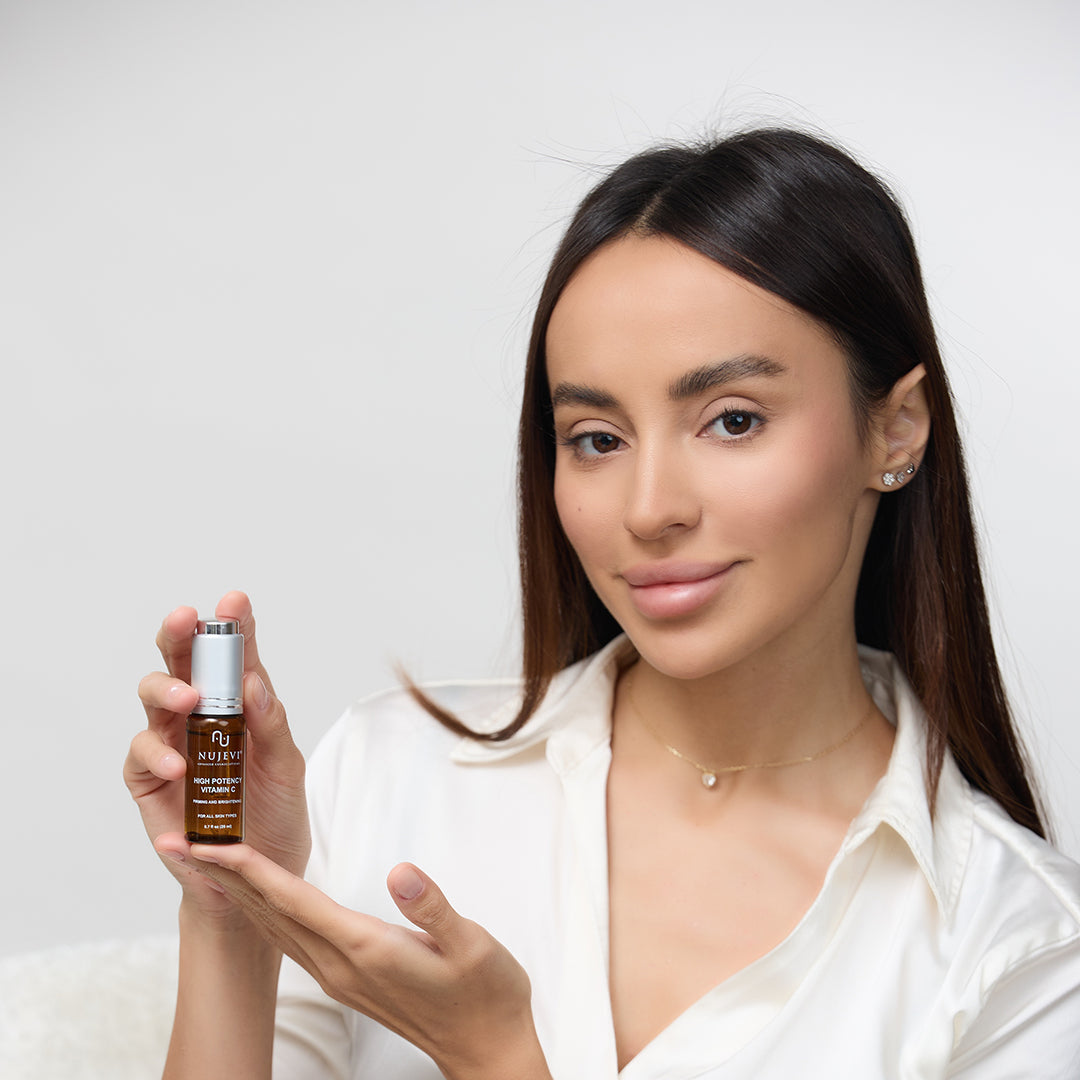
<point>686,652</point>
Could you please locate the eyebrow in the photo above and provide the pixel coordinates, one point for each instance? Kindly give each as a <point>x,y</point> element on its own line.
<point>699,381</point>
<point>576,394</point>
<point>710,376</point>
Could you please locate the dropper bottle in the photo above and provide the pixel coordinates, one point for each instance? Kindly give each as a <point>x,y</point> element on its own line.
<point>214,788</point>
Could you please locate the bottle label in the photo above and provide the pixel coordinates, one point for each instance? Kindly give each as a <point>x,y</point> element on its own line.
<point>215,782</point>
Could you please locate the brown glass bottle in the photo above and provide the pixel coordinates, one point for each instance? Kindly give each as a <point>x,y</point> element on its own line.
<point>214,787</point>
<point>215,779</point>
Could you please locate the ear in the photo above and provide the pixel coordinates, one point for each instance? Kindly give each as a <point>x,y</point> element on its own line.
<point>901,429</point>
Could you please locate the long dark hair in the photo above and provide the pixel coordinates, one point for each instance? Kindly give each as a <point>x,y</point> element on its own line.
<point>800,218</point>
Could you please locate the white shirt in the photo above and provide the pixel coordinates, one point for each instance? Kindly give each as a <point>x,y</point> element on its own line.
<point>937,949</point>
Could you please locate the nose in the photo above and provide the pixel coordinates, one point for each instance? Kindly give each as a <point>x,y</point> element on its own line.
<point>662,496</point>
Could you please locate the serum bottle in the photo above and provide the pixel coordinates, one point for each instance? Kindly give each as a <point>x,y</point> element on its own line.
<point>214,788</point>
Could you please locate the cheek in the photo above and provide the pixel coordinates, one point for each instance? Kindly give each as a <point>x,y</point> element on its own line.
<point>588,516</point>
<point>572,510</point>
<point>809,488</point>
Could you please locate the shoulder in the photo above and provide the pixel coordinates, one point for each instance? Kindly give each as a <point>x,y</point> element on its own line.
<point>973,853</point>
<point>1015,941</point>
<point>1034,888</point>
<point>392,722</point>
<point>1004,897</point>
<point>391,727</point>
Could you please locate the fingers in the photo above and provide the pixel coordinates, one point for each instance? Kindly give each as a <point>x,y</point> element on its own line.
<point>258,883</point>
<point>173,846</point>
<point>357,959</point>
<point>309,949</point>
<point>264,713</point>
<point>150,762</point>
<point>261,886</point>
<point>174,641</point>
<point>421,901</point>
<point>165,697</point>
<point>178,628</point>
<point>268,728</point>
<point>445,1002</point>
<point>236,605</point>
<point>174,851</point>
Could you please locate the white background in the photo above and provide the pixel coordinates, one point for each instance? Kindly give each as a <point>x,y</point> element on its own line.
<point>266,270</point>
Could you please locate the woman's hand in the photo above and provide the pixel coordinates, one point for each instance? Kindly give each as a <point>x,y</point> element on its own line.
<point>449,988</point>
<point>275,809</point>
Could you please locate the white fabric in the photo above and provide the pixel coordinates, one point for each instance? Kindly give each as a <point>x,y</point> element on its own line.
<point>87,1012</point>
<point>950,949</point>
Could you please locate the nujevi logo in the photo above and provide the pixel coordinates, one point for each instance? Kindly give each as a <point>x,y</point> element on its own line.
<point>218,757</point>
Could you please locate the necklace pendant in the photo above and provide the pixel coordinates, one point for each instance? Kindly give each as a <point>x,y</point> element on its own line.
<point>708,779</point>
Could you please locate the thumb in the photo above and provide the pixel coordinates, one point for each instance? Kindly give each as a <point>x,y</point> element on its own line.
<point>265,716</point>
<point>421,901</point>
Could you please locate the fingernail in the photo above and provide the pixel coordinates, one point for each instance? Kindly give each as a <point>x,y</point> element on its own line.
<point>261,694</point>
<point>408,884</point>
<point>215,886</point>
<point>170,761</point>
<point>176,693</point>
<point>205,858</point>
<point>176,856</point>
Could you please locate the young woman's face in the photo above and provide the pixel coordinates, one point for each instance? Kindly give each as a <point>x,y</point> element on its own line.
<point>709,473</point>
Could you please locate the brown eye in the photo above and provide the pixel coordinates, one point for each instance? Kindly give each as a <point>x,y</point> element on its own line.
<point>601,442</point>
<point>735,423</point>
<point>592,444</point>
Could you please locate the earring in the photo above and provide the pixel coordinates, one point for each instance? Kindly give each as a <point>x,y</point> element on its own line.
<point>888,479</point>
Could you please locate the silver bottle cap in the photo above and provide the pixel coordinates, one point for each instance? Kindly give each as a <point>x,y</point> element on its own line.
<point>217,667</point>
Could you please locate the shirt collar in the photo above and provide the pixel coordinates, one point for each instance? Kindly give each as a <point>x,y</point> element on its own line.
<point>901,799</point>
<point>575,718</point>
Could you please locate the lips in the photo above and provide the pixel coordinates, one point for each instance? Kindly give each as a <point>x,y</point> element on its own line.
<point>668,590</point>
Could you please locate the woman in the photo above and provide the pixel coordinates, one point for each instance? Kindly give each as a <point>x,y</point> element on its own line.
<point>731,843</point>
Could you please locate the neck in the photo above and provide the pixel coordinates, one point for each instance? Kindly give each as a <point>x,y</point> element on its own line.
<point>786,706</point>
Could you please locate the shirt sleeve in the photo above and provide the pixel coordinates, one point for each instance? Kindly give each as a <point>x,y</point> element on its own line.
<point>311,1039</point>
<point>1029,1025</point>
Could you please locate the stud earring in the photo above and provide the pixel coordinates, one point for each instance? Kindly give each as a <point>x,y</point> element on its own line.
<point>888,479</point>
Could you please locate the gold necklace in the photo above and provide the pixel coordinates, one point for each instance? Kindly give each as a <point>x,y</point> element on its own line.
<point>709,774</point>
